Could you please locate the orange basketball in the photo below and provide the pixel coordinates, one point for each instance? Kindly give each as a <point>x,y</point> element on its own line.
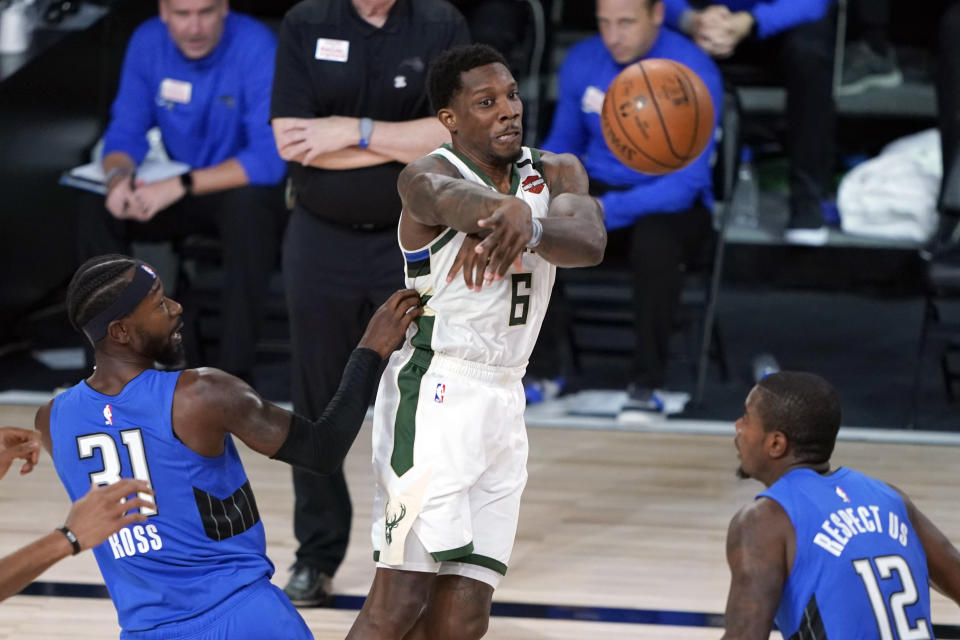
<point>657,116</point>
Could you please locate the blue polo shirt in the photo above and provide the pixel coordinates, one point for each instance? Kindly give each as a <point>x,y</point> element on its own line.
<point>588,69</point>
<point>771,16</point>
<point>209,110</point>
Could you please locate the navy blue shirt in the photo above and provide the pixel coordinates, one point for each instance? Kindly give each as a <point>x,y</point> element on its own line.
<point>583,79</point>
<point>771,16</point>
<point>225,112</point>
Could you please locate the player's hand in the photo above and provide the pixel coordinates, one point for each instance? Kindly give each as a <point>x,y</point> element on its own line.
<point>473,264</point>
<point>511,227</point>
<point>147,200</point>
<point>103,512</point>
<point>18,443</point>
<point>304,139</point>
<point>389,323</point>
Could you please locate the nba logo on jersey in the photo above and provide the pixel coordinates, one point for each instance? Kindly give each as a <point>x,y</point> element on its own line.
<point>438,396</point>
<point>843,494</point>
<point>108,415</point>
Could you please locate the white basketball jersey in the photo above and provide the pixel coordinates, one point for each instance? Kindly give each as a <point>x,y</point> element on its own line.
<point>499,324</point>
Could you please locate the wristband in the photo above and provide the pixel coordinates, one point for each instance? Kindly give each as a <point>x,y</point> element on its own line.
<point>186,180</point>
<point>366,130</point>
<point>537,234</point>
<point>71,537</point>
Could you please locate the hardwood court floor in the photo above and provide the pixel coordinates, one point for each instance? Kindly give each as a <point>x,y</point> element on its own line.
<point>609,519</point>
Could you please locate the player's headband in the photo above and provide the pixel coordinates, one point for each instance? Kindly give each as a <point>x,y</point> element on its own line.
<point>135,291</point>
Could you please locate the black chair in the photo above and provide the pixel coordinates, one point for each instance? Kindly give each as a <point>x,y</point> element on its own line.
<point>200,280</point>
<point>942,289</point>
<point>599,299</point>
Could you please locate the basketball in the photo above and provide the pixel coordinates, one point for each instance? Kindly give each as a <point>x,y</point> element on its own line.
<point>657,116</point>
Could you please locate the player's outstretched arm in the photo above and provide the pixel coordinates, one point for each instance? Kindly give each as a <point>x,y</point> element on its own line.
<point>209,403</point>
<point>943,559</point>
<point>434,194</point>
<point>573,232</point>
<point>92,519</point>
<point>757,554</point>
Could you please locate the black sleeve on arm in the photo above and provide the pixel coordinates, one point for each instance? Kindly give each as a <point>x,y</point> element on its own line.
<point>321,446</point>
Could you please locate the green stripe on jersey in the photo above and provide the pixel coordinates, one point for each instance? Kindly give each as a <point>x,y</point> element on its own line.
<point>408,383</point>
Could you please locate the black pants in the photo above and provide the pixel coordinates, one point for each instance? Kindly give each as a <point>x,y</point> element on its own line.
<point>801,59</point>
<point>659,248</point>
<point>249,223</point>
<point>335,278</point>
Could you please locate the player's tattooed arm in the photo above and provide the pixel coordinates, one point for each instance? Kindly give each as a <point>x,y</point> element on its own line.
<point>435,194</point>
<point>757,550</point>
<point>573,231</point>
<point>943,559</point>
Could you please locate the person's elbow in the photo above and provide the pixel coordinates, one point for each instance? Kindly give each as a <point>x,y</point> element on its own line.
<point>596,246</point>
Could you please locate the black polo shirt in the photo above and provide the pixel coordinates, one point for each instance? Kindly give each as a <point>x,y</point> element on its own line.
<point>330,61</point>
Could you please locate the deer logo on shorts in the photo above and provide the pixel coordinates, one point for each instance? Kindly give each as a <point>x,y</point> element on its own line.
<point>392,522</point>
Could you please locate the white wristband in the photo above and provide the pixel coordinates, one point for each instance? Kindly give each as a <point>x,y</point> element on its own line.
<point>537,234</point>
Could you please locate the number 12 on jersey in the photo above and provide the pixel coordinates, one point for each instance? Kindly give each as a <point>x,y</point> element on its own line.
<point>899,600</point>
<point>133,440</point>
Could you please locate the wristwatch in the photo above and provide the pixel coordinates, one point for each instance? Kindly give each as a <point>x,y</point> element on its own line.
<point>186,180</point>
<point>366,130</point>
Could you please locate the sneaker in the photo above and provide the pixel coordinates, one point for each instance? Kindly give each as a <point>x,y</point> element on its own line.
<point>864,68</point>
<point>309,587</point>
<point>642,399</point>
<point>537,390</point>
<point>816,237</point>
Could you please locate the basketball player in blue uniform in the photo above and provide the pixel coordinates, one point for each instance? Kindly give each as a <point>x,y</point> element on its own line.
<point>449,442</point>
<point>826,553</point>
<point>197,567</point>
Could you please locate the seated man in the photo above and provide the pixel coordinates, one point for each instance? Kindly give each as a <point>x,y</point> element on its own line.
<point>198,73</point>
<point>659,223</point>
<point>798,36</point>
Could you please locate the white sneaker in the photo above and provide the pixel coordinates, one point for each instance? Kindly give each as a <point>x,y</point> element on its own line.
<point>810,237</point>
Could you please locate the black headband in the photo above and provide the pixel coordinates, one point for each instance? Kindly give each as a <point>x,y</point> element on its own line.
<point>135,291</point>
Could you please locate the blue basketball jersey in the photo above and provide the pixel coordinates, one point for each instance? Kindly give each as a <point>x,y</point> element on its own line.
<point>859,571</point>
<point>204,540</point>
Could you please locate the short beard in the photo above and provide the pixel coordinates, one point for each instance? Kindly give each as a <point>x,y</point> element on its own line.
<point>164,352</point>
<point>743,475</point>
<point>171,355</point>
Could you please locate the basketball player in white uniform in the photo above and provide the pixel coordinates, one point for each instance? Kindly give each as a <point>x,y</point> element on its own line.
<point>485,223</point>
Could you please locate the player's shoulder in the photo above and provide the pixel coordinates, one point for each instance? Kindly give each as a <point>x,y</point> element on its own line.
<point>563,162</point>
<point>206,385</point>
<point>761,514</point>
<point>433,162</point>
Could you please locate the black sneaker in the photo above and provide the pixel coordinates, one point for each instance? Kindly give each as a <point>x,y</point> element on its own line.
<point>309,587</point>
<point>642,399</point>
<point>864,68</point>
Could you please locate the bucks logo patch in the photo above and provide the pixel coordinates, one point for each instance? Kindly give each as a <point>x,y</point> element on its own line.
<point>391,521</point>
